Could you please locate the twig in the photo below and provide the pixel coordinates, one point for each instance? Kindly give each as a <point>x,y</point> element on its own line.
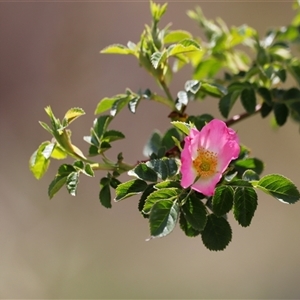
<point>166,90</point>
<point>243,116</point>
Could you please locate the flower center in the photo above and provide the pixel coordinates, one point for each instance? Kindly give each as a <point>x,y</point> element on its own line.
<point>205,163</point>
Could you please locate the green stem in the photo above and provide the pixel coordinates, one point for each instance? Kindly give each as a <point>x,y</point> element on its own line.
<point>168,93</point>
<point>120,167</point>
<point>164,101</point>
<point>103,167</point>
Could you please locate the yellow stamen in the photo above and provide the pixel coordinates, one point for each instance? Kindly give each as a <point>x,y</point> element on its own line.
<point>205,163</point>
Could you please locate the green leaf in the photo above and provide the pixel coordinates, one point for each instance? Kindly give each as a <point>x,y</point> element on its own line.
<point>93,150</point>
<point>153,144</point>
<point>104,194</point>
<point>157,58</point>
<point>115,104</point>
<point>292,95</point>
<point>279,187</point>
<point>72,183</point>
<point>56,184</point>
<point>239,183</point>
<point>295,111</point>
<point>104,146</point>
<point>60,179</point>
<point>292,99</point>
<point>65,169</point>
<point>168,184</point>
<point>184,46</point>
<point>222,200</point>
<point>130,188</point>
<point>142,171</point>
<point>175,36</point>
<point>169,194</point>
<point>120,102</point>
<point>189,42</point>
<point>254,164</point>
<point>78,165</point>
<point>58,152</point>
<point>244,205</point>
<point>250,175</point>
<point>167,140</point>
<point>47,152</point>
<point>72,114</point>
<point>187,227</point>
<point>192,86</point>
<point>99,128</point>
<point>163,218</point>
<point>217,233</point>
<point>226,103</point>
<point>265,109</point>
<point>159,167</point>
<point>262,56</point>
<point>54,121</point>
<point>266,95</point>
<point>182,126</point>
<point>117,49</point>
<point>214,90</point>
<point>281,113</point>
<point>114,182</point>
<point>88,170</point>
<point>294,69</point>
<point>230,176</point>
<point>248,99</point>
<point>149,190</point>
<point>244,152</point>
<point>46,127</point>
<point>39,162</point>
<point>200,121</point>
<point>195,212</point>
<point>164,167</point>
<point>104,105</point>
<point>207,68</point>
<point>236,87</point>
<point>133,104</point>
<point>160,153</point>
<point>112,135</point>
<point>281,75</point>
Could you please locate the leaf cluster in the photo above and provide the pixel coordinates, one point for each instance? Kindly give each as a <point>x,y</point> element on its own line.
<point>221,69</point>
<point>165,203</point>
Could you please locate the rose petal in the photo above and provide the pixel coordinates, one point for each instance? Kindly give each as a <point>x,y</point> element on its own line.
<point>229,152</point>
<point>187,169</point>
<point>207,186</point>
<point>215,137</point>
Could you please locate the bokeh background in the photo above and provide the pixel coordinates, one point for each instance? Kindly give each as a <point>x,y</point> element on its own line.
<point>73,247</point>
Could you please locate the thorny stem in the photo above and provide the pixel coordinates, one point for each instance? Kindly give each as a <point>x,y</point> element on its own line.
<point>242,116</point>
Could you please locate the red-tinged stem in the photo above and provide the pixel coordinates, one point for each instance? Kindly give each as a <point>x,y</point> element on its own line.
<point>243,116</point>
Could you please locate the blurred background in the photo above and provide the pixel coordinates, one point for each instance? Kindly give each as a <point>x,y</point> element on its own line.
<point>73,247</point>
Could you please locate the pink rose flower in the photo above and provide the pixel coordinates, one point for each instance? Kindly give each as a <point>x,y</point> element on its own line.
<point>206,155</point>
